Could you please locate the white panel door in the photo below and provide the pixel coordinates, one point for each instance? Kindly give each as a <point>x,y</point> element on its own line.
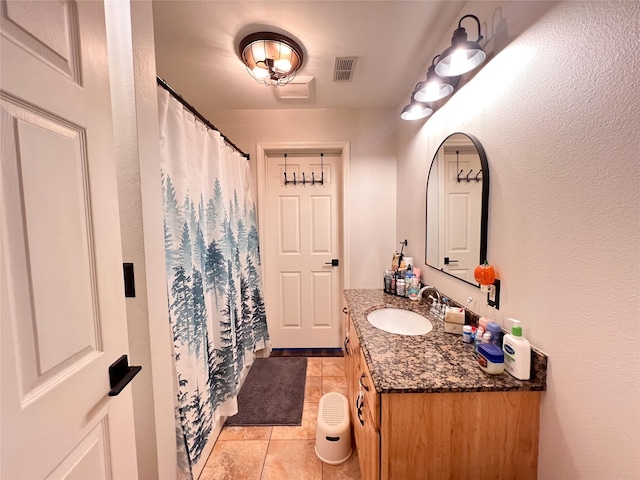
<point>461,214</point>
<point>303,295</point>
<point>61,290</point>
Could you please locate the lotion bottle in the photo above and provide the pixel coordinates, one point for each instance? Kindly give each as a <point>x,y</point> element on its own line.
<point>517,353</point>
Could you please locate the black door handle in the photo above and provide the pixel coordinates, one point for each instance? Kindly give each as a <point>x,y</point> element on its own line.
<point>120,374</point>
<point>334,262</point>
<point>447,261</point>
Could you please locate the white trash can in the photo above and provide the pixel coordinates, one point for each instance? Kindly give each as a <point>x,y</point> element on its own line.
<point>333,433</point>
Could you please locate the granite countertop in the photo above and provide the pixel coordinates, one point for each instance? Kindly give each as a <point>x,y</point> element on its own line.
<point>434,362</point>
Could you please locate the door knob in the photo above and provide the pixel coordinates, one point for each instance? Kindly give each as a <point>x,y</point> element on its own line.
<point>333,263</point>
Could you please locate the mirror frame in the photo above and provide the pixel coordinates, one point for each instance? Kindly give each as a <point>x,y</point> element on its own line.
<point>484,212</point>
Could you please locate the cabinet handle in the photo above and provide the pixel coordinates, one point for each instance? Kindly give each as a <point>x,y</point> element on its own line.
<point>362,384</point>
<point>346,345</point>
<point>359,405</point>
<point>344,310</point>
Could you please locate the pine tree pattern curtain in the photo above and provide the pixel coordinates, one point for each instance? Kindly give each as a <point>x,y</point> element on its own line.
<point>214,284</point>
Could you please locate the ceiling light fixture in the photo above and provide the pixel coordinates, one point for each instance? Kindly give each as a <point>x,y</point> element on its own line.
<point>434,87</point>
<point>415,110</point>
<point>463,55</point>
<point>271,58</point>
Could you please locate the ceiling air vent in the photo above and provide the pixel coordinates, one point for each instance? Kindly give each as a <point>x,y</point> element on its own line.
<point>343,70</point>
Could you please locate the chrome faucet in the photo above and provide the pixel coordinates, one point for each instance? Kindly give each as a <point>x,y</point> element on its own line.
<point>435,305</point>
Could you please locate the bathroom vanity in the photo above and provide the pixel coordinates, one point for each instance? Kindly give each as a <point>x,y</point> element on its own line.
<point>421,407</point>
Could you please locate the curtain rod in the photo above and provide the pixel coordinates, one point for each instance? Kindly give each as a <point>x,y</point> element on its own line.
<point>192,109</point>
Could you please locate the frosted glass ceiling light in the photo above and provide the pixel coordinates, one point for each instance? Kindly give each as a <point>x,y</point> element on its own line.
<point>434,87</point>
<point>463,55</point>
<point>271,58</point>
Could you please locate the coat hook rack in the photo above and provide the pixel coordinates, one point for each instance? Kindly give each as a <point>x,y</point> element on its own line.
<point>304,180</point>
<point>461,176</point>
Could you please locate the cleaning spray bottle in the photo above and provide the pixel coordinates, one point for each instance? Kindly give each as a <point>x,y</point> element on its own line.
<point>517,352</point>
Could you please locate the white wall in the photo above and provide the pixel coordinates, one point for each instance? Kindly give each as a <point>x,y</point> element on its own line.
<point>371,187</point>
<point>557,109</point>
<point>135,112</point>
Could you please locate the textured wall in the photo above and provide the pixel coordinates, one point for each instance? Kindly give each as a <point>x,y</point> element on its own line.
<point>557,109</point>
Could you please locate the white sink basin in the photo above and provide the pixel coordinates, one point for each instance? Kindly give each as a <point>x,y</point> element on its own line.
<point>402,322</point>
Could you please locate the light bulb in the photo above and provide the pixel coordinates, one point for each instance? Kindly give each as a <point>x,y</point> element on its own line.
<point>458,61</point>
<point>260,73</point>
<point>433,90</point>
<point>283,65</point>
<point>258,52</point>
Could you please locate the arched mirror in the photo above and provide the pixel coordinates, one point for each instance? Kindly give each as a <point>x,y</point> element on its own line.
<point>457,207</point>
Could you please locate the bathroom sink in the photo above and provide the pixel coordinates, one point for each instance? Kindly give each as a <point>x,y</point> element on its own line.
<point>402,322</point>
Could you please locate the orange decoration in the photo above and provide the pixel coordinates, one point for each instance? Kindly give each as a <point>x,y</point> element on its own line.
<point>484,274</point>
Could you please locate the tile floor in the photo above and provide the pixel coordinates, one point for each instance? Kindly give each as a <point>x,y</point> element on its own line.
<point>284,453</point>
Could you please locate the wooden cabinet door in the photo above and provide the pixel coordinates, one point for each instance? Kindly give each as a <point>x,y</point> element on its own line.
<point>367,441</point>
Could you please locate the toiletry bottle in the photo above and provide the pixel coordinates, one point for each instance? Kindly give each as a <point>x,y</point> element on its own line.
<point>517,353</point>
<point>496,333</point>
<point>408,279</point>
<point>477,339</point>
<point>395,261</point>
<point>414,289</point>
<point>466,333</point>
<point>482,322</point>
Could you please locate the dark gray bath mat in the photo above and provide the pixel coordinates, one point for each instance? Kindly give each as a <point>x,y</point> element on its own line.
<point>272,393</point>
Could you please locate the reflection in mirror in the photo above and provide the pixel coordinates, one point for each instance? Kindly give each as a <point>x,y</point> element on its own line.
<point>457,207</point>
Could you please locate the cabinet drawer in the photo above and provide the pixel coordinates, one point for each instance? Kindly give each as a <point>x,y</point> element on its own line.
<point>371,398</point>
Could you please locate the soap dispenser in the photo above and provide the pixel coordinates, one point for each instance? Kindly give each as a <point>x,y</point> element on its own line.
<point>517,352</point>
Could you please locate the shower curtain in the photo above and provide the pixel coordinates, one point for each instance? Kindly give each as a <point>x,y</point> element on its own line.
<point>214,286</point>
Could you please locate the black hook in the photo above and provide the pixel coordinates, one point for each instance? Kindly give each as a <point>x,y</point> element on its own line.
<point>304,180</point>
<point>459,173</point>
<point>478,176</point>
<point>294,178</point>
<point>468,180</point>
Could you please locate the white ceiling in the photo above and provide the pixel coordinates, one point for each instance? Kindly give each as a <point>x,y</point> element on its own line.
<point>196,49</point>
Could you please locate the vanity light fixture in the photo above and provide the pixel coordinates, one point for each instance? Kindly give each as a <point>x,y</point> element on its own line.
<point>463,55</point>
<point>435,87</point>
<point>444,74</point>
<point>271,58</point>
<point>415,110</point>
